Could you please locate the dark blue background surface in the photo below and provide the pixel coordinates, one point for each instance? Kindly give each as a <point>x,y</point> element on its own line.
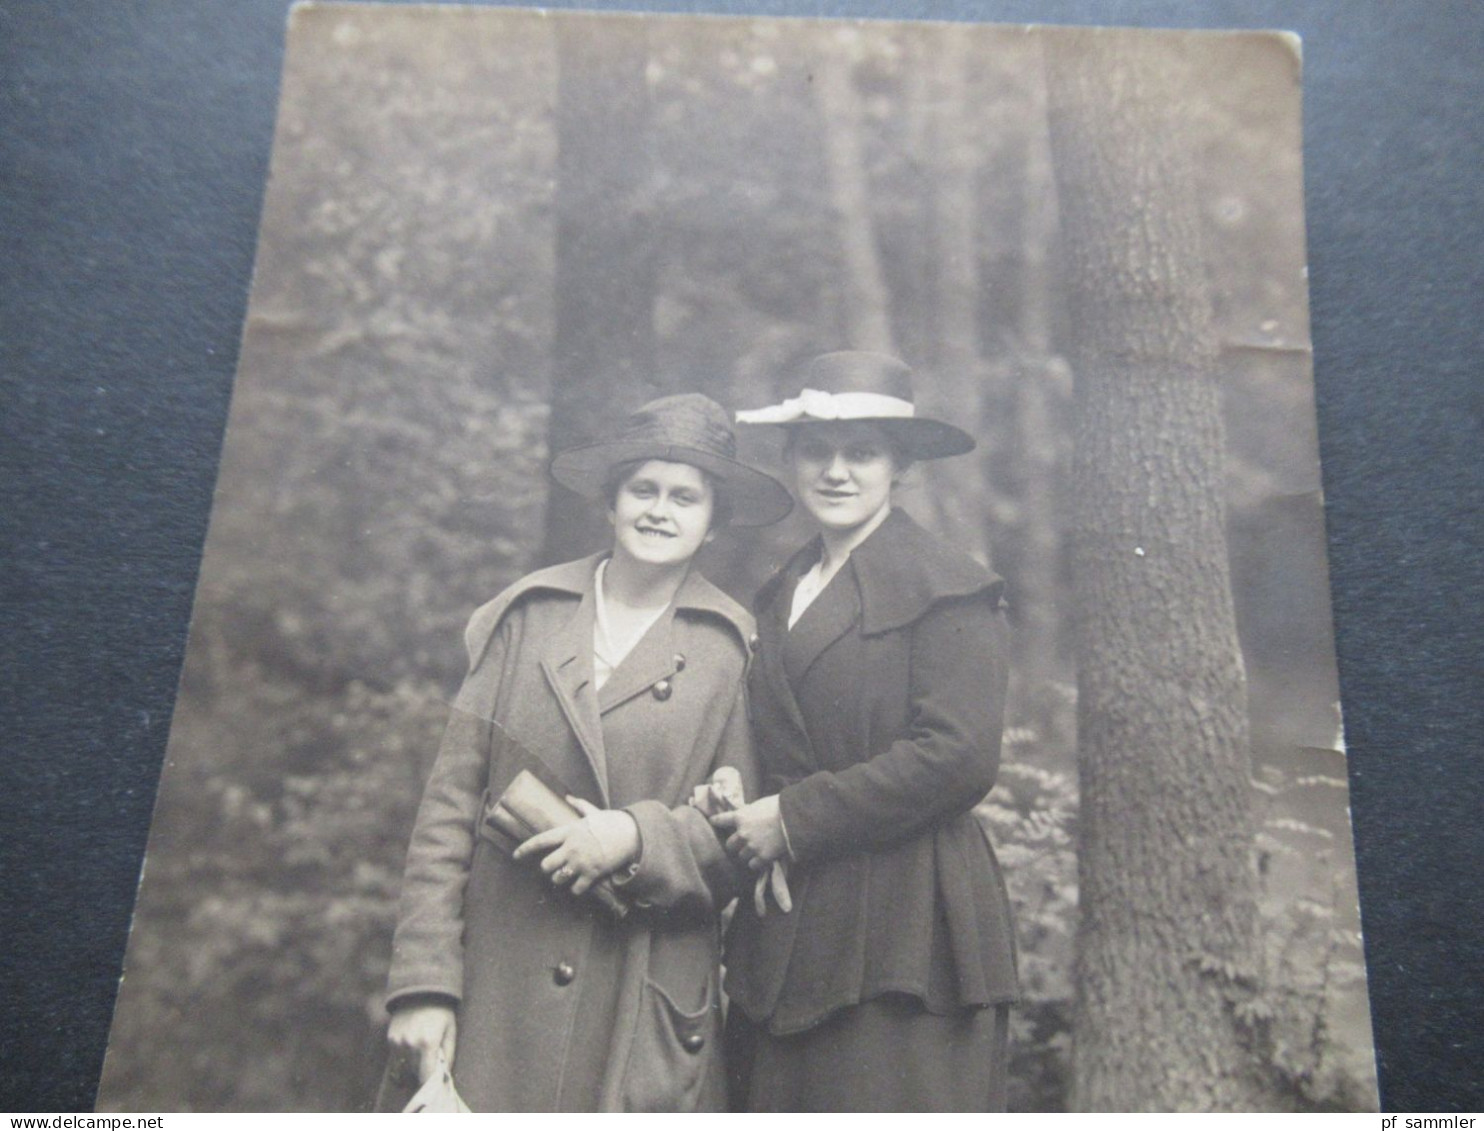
<point>134,141</point>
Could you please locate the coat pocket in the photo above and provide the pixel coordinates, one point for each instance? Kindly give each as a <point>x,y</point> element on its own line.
<point>675,1059</point>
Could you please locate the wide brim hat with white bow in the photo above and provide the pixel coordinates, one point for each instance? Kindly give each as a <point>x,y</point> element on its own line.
<point>856,385</point>
<point>685,428</point>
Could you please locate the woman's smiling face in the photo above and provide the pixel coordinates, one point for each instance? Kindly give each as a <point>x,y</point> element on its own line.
<point>843,472</point>
<point>661,513</point>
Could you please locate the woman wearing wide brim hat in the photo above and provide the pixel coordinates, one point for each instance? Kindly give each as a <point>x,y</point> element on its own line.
<point>686,428</point>
<point>618,681</point>
<point>854,385</point>
<point>877,702</point>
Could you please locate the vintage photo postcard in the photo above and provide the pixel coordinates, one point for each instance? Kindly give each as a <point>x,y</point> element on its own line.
<point>761,563</point>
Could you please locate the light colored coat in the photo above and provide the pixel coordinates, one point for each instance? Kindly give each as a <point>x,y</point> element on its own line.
<point>561,1007</point>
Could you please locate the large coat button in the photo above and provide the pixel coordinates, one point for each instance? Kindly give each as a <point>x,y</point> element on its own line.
<point>663,690</point>
<point>693,1043</point>
<point>564,973</point>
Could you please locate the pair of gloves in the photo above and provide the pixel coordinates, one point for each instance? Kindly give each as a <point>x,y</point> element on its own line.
<point>722,794</point>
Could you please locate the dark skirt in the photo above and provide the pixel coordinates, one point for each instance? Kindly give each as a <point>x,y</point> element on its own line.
<point>886,1054</point>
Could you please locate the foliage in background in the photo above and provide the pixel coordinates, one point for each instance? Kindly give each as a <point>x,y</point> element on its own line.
<point>383,476</point>
<point>1308,995</point>
<point>266,939</point>
<point>1031,818</point>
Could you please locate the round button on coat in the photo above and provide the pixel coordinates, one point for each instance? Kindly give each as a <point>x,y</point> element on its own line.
<point>693,1043</point>
<point>564,973</point>
<point>662,690</point>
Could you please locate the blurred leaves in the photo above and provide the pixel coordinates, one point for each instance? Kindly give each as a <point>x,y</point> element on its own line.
<point>263,930</point>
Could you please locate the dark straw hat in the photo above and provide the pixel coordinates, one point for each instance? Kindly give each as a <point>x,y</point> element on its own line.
<point>686,428</point>
<point>857,385</point>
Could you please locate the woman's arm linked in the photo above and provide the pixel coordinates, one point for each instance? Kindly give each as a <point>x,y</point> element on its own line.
<point>944,764</point>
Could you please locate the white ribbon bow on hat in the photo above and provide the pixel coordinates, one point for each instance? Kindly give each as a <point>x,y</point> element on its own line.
<point>814,404</point>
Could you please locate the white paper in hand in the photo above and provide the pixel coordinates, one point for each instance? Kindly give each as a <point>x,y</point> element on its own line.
<point>438,1096</point>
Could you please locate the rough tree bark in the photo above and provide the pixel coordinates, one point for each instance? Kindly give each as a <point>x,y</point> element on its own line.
<point>1167,939</point>
<point>603,353</point>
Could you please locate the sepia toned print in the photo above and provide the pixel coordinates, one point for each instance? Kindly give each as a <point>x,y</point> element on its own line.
<point>489,236</point>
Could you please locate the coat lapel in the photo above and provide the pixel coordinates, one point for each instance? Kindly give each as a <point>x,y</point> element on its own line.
<point>651,660</point>
<point>834,612</point>
<point>567,663</point>
<point>772,640</point>
<point>901,570</point>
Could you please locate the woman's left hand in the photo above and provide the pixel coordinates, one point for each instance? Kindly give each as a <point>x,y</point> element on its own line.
<point>756,832</point>
<point>583,852</point>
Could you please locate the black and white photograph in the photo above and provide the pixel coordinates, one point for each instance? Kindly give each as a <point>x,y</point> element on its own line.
<point>762,564</point>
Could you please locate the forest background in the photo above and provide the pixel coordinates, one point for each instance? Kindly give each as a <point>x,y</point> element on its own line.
<point>422,334</point>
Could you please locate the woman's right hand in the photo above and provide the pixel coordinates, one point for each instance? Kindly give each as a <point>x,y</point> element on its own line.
<point>418,1032</point>
<point>757,838</point>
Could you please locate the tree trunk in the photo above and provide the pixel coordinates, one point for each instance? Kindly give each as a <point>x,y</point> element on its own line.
<point>603,361</point>
<point>1167,936</point>
<point>865,304</point>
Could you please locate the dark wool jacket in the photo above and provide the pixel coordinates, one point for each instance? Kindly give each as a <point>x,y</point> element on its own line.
<point>560,1007</point>
<point>877,720</point>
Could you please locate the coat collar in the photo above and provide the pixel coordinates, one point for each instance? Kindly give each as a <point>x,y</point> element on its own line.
<point>901,570</point>
<point>696,596</point>
<point>566,654</point>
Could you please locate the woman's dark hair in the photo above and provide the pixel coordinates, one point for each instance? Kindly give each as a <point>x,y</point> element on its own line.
<point>721,500</point>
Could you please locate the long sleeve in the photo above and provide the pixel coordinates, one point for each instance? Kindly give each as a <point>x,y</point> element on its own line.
<point>683,866</point>
<point>427,949</point>
<point>945,762</point>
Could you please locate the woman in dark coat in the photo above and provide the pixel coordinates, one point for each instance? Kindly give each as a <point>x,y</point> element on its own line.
<point>877,701</point>
<point>619,680</point>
